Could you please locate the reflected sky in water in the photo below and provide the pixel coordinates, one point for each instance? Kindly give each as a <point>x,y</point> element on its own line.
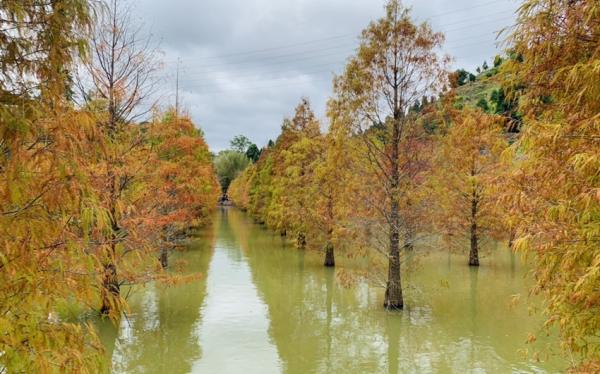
<point>264,307</point>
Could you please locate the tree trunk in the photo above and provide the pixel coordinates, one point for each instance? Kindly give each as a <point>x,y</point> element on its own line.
<point>409,230</point>
<point>511,239</point>
<point>301,240</point>
<point>393,293</point>
<point>164,257</point>
<point>164,251</point>
<point>474,254</point>
<point>329,255</point>
<point>110,288</point>
<point>409,237</point>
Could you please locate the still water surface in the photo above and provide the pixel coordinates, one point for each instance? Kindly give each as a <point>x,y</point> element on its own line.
<point>264,307</point>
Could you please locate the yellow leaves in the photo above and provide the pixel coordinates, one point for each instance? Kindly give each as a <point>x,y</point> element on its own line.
<point>82,200</point>
<point>467,169</point>
<point>302,184</point>
<point>522,244</point>
<point>587,163</point>
<point>559,168</point>
<point>531,339</point>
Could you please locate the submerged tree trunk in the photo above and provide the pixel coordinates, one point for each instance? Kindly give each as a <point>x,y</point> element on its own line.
<point>511,238</point>
<point>393,293</point>
<point>164,251</point>
<point>301,240</point>
<point>474,253</point>
<point>110,288</point>
<point>164,257</point>
<point>329,255</point>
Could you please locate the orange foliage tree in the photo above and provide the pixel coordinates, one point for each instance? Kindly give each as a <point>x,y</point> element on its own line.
<point>465,177</point>
<point>184,189</point>
<point>80,187</point>
<point>396,64</point>
<point>558,168</point>
<point>293,188</point>
<point>42,143</point>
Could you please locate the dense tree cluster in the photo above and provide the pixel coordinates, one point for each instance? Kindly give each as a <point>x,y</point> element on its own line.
<point>297,186</point>
<point>231,162</point>
<point>395,167</point>
<point>90,200</point>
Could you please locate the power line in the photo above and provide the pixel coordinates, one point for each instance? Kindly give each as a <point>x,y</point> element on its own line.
<point>303,74</point>
<point>307,56</point>
<point>254,87</point>
<point>467,8</point>
<point>300,55</point>
<point>332,65</point>
<point>261,87</point>
<point>477,24</point>
<point>277,48</point>
<point>302,70</point>
<point>482,17</point>
<point>286,69</point>
<point>300,74</point>
<point>339,37</point>
<point>287,61</point>
<point>303,57</point>
<point>321,60</point>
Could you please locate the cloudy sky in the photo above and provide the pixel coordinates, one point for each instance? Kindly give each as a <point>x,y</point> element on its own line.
<point>246,63</point>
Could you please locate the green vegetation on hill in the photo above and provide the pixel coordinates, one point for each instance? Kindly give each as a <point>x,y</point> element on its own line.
<point>487,91</point>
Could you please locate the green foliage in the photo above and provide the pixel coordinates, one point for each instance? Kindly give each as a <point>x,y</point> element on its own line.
<point>464,77</point>
<point>228,165</point>
<point>498,60</point>
<point>240,143</point>
<point>253,153</point>
<point>483,105</point>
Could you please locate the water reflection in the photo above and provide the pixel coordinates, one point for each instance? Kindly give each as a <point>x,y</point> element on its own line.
<point>234,327</point>
<point>266,307</point>
<point>160,333</point>
<point>458,320</point>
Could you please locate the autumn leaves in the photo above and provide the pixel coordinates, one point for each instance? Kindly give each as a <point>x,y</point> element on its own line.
<point>90,199</point>
<point>404,158</point>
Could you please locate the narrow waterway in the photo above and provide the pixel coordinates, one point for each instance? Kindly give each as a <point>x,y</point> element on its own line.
<point>264,307</point>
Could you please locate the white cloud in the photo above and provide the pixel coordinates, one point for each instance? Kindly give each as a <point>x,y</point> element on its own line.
<point>247,63</point>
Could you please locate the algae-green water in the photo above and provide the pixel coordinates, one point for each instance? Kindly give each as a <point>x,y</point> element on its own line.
<point>263,306</point>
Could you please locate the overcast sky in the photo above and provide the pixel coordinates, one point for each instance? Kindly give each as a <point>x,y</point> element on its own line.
<point>246,63</point>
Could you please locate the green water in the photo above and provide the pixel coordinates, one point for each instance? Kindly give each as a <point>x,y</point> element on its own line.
<point>264,307</point>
